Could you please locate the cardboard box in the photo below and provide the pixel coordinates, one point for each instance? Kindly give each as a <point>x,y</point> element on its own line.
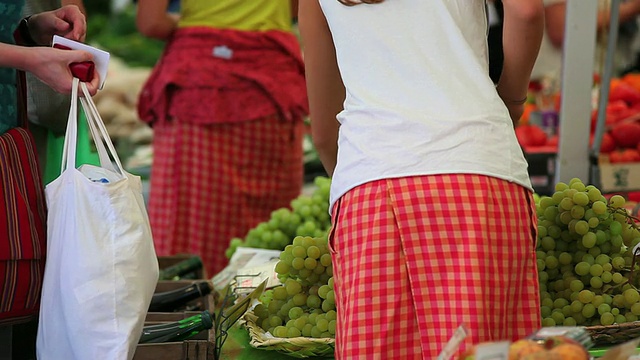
<point>199,347</point>
<point>542,168</point>
<point>618,177</point>
<point>166,261</point>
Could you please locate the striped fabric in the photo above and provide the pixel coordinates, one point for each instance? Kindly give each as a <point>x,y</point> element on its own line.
<point>210,183</point>
<point>416,257</point>
<point>22,227</point>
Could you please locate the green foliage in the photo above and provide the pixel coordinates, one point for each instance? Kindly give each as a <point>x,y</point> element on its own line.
<point>117,34</point>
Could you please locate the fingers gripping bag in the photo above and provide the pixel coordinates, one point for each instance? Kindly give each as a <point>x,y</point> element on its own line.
<point>101,269</point>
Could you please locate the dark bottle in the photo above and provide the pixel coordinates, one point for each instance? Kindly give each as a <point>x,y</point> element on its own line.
<point>175,271</point>
<point>177,331</point>
<point>174,299</point>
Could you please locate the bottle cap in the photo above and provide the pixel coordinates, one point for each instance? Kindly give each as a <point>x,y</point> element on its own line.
<point>207,321</point>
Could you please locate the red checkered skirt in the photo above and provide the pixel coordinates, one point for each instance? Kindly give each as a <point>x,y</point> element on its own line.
<point>416,257</point>
<point>213,182</point>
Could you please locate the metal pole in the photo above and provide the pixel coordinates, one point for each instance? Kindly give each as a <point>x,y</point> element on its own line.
<point>577,82</point>
<point>603,100</point>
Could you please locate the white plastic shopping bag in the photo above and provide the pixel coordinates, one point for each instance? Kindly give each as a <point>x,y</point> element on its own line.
<point>101,268</point>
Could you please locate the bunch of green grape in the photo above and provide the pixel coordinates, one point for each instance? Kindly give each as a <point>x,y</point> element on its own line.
<point>305,304</point>
<point>308,216</point>
<point>585,258</point>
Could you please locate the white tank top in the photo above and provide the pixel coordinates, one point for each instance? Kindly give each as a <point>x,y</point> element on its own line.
<point>419,97</point>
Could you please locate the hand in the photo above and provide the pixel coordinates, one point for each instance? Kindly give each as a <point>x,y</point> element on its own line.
<point>67,21</point>
<point>515,111</point>
<point>52,67</point>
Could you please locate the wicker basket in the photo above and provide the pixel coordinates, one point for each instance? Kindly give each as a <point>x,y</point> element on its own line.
<point>614,334</point>
<point>299,347</point>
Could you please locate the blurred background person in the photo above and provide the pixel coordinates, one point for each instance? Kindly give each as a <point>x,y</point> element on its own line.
<point>226,102</point>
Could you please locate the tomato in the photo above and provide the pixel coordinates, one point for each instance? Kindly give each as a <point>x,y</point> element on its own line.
<point>607,144</point>
<point>626,135</point>
<point>626,93</point>
<point>530,135</point>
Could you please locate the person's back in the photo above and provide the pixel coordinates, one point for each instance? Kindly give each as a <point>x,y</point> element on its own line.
<point>419,70</point>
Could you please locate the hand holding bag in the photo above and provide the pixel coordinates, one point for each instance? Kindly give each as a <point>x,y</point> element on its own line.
<point>102,269</point>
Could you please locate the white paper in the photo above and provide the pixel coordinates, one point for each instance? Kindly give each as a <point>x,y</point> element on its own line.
<point>100,57</point>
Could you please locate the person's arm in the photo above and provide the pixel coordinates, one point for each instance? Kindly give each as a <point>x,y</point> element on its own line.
<point>523,27</point>
<point>78,3</point>
<point>556,15</point>
<point>48,64</point>
<point>324,84</point>
<point>153,20</point>
<point>294,9</point>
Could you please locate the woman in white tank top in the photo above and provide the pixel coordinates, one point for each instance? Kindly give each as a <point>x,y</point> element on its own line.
<point>434,224</point>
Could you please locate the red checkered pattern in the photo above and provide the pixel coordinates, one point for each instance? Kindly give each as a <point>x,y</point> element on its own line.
<point>210,183</point>
<point>416,257</point>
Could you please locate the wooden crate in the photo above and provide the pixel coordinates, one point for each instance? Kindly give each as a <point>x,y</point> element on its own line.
<point>199,347</point>
<point>166,261</point>
<point>618,177</point>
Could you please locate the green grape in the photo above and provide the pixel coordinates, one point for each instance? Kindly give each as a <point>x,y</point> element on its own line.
<point>588,311</point>
<point>548,243</point>
<point>560,186</point>
<point>606,277</point>
<point>615,228</point>
<point>585,296</point>
<point>565,258</point>
<point>548,322</point>
<point>597,300</point>
<point>328,305</point>
<point>617,201</point>
<point>298,263</point>
<point>631,296</point>
<point>558,317</point>
<point>607,319</point>
<point>589,240</point>
<point>306,330</point>
<point>576,306</point>
<point>577,184</point>
<point>577,212</point>
<point>560,303</point>
<point>551,262</point>
<point>615,311</point>
<point>310,263</point>
<point>295,312</point>
<point>280,331</point>
<point>293,287</point>
<point>299,299</point>
<point>594,193</point>
<point>596,270</point>
<point>275,321</point>
<point>313,252</point>
<point>620,319</point>
<point>599,207</point>
<point>282,268</point>
<point>582,227</point>
<point>299,251</point>
<point>596,282</point>
<point>582,268</point>
<point>554,231</point>
<point>618,263</point>
<point>576,285</point>
<point>322,324</point>
<point>581,199</point>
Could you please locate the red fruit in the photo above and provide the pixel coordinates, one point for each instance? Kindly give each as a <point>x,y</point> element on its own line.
<point>626,93</point>
<point>626,135</point>
<point>630,155</point>
<point>531,135</point>
<point>607,144</point>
